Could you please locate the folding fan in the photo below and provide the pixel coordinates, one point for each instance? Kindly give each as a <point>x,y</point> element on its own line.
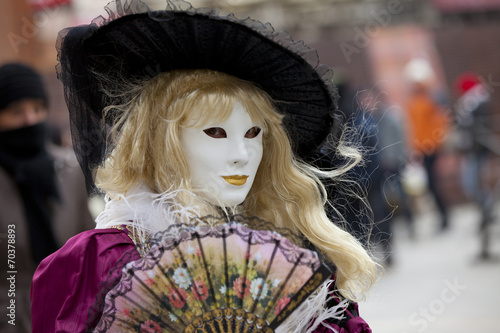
<point>225,278</point>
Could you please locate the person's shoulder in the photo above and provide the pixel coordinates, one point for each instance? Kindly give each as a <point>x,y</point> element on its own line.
<point>102,239</point>
<point>98,249</point>
<point>91,245</point>
<point>71,277</point>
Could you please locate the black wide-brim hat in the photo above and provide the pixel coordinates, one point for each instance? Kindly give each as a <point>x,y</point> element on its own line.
<point>136,43</point>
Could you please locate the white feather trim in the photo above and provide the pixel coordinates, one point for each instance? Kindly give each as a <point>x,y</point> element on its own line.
<point>146,211</point>
<point>314,311</point>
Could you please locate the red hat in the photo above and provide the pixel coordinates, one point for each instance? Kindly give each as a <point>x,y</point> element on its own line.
<point>466,81</point>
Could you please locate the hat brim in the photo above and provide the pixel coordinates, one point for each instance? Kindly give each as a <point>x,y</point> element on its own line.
<point>142,45</point>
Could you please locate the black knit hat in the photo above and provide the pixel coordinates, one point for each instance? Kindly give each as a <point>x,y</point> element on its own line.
<point>136,43</point>
<point>17,82</point>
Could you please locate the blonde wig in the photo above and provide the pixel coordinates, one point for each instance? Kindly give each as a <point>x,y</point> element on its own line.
<point>286,190</point>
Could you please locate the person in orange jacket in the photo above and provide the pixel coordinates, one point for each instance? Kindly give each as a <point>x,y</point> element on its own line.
<point>428,125</point>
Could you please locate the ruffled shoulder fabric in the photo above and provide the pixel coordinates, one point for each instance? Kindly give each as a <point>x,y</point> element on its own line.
<point>66,283</point>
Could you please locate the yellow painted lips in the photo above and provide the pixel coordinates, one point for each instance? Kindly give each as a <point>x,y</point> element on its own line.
<point>236,180</point>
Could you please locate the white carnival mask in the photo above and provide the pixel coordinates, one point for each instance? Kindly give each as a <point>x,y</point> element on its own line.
<point>223,157</point>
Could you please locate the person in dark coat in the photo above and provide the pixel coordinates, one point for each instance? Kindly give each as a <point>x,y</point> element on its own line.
<point>43,201</point>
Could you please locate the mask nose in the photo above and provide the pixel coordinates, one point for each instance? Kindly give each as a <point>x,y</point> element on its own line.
<point>239,154</point>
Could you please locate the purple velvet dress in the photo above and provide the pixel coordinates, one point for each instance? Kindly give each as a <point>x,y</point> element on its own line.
<point>66,284</point>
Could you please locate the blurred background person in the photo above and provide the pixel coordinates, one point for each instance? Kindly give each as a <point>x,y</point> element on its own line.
<point>388,155</point>
<point>479,143</point>
<point>42,192</point>
<point>358,206</point>
<point>362,210</point>
<point>393,155</point>
<point>428,125</point>
<point>368,125</point>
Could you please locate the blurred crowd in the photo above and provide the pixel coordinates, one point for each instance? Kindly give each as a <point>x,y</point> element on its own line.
<point>412,149</point>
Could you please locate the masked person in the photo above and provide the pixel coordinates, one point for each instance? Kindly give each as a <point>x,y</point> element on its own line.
<point>190,113</point>
<point>42,193</point>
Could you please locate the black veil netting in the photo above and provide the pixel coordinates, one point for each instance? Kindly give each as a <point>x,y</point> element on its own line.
<point>135,43</point>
